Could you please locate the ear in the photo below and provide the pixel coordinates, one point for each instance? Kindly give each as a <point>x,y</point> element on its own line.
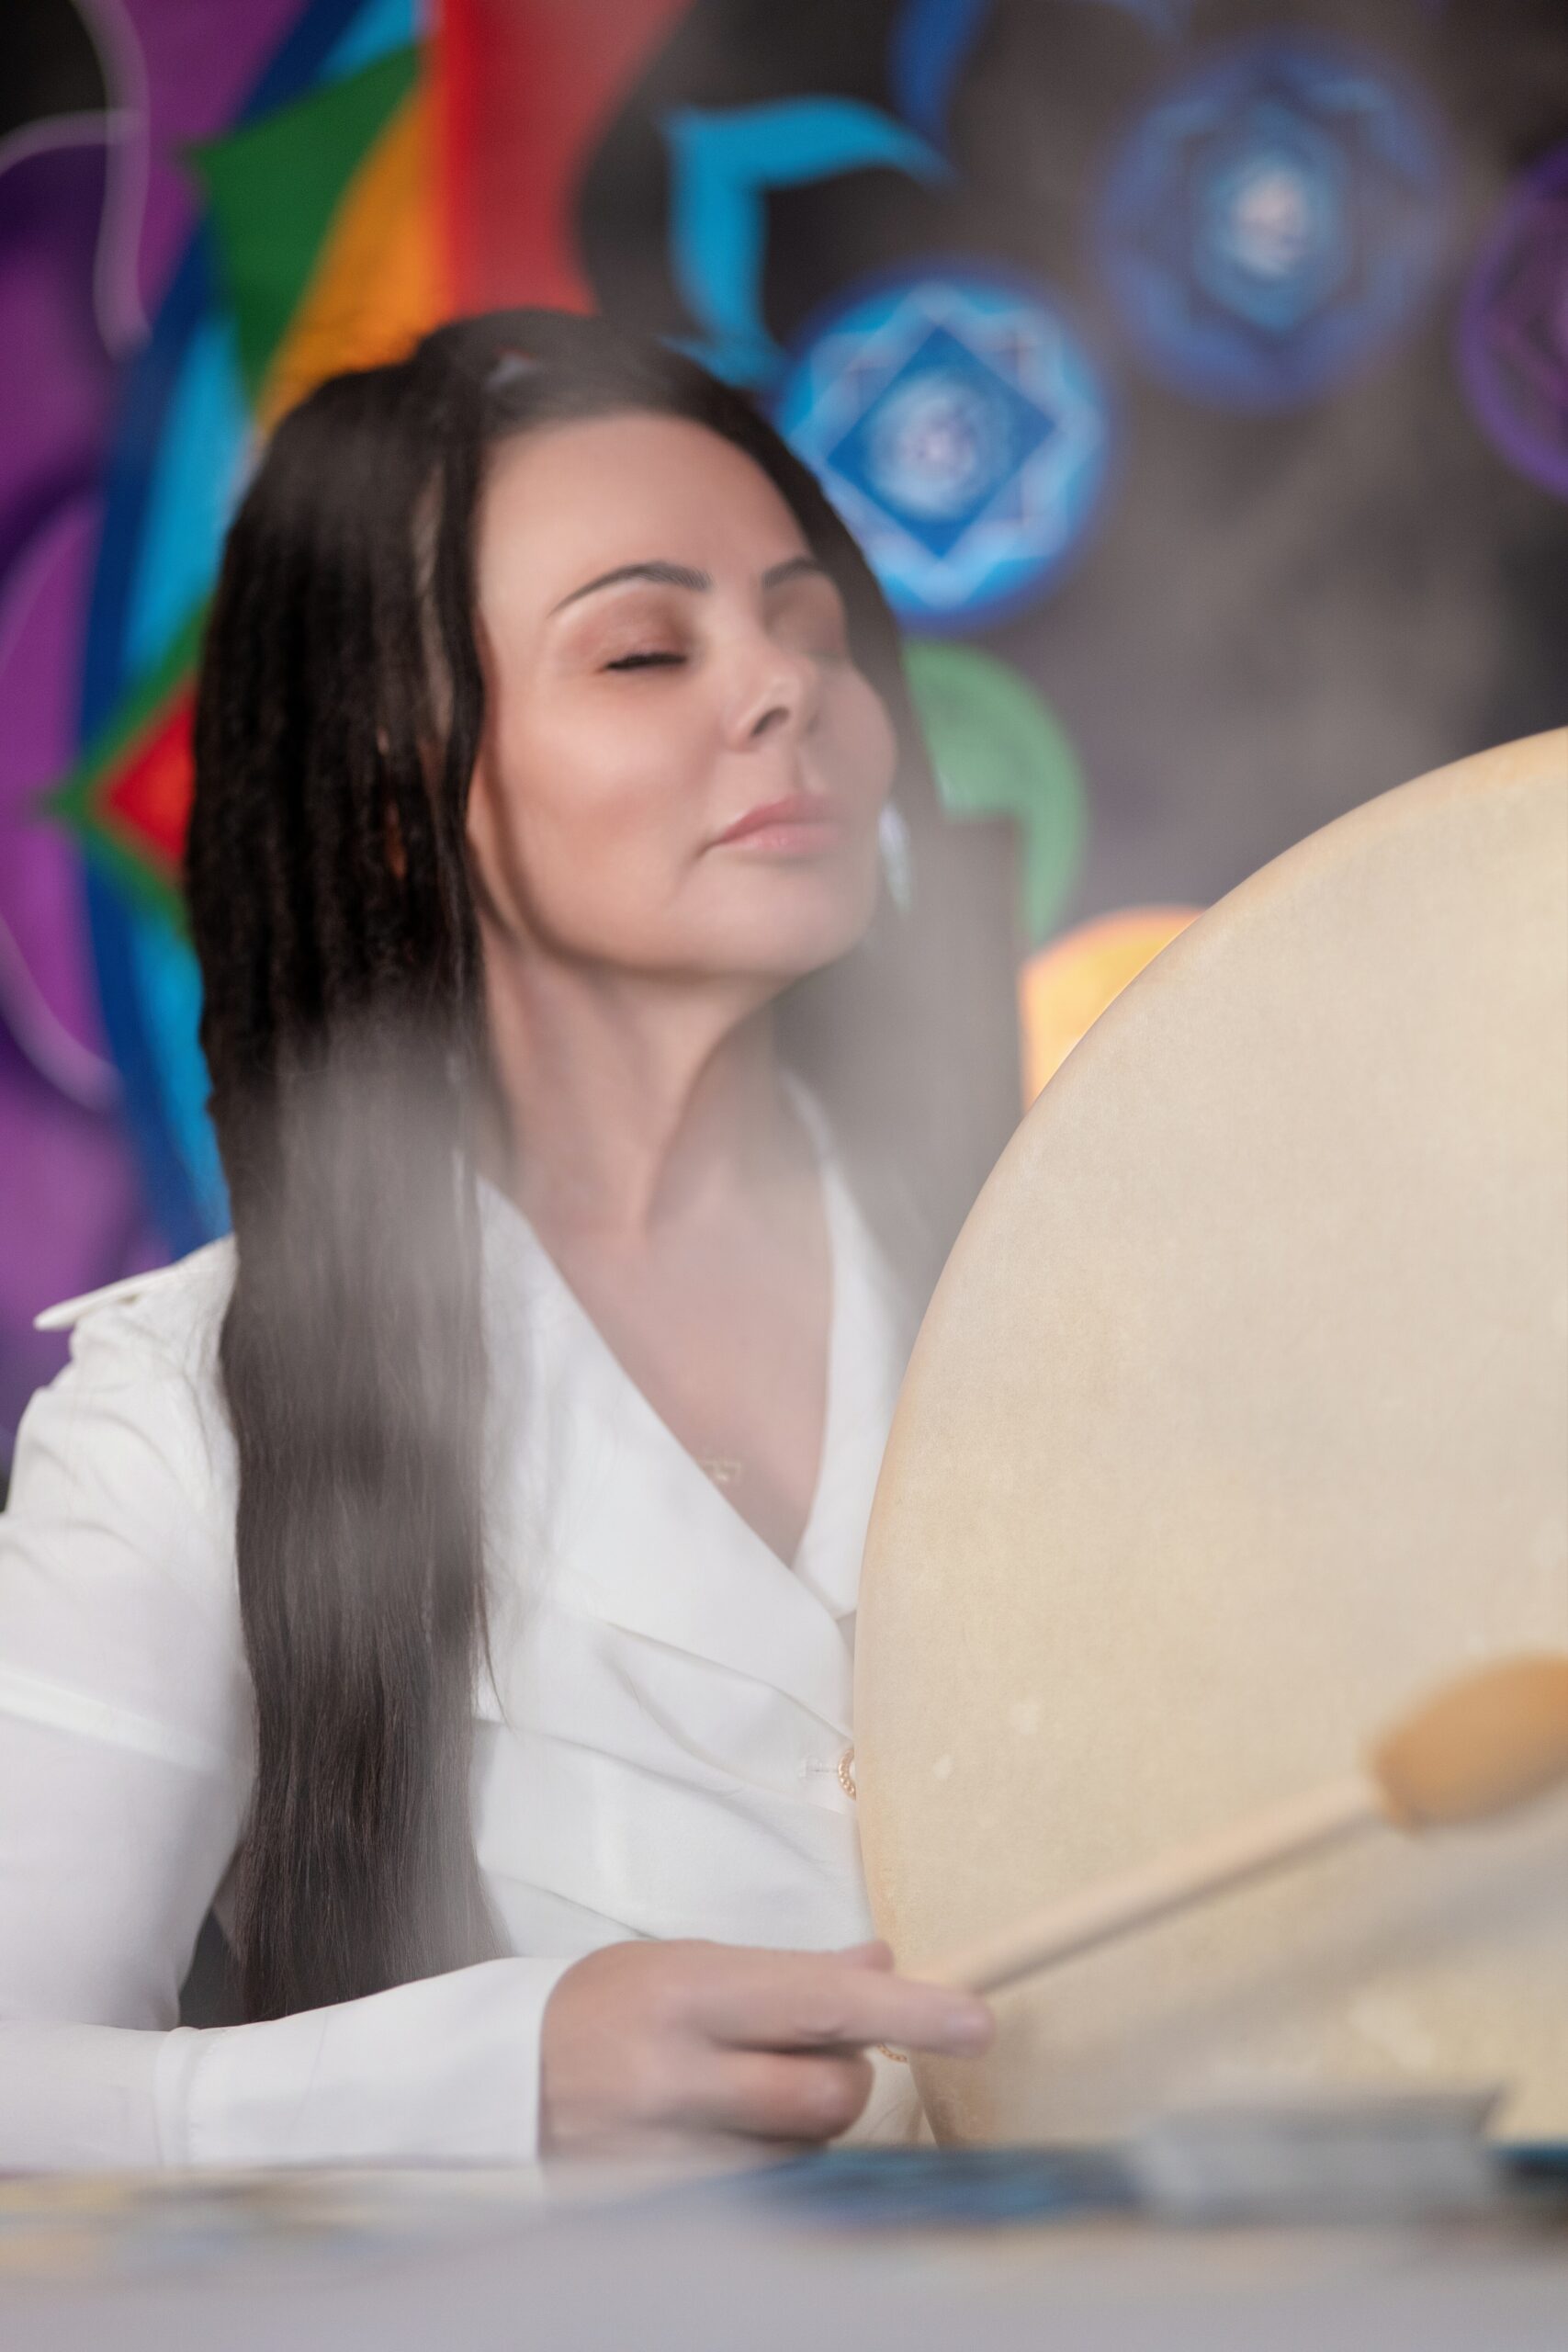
<point>487,850</point>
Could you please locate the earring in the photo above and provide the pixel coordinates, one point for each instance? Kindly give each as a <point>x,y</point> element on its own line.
<point>896,851</point>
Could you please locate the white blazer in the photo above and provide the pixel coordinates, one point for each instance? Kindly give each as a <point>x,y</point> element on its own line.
<point>658,1754</point>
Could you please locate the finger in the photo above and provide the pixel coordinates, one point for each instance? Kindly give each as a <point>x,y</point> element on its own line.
<point>811,2000</point>
<point>774,2095</point>
<point>875,1955</point>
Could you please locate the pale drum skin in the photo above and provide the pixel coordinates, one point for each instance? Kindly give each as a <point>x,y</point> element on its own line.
<point>1240,1420</point>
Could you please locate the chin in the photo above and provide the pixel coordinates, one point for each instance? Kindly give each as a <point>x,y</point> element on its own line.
<point>785,933</point>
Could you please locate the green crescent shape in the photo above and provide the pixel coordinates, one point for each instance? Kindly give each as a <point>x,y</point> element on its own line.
<point>997,752</point>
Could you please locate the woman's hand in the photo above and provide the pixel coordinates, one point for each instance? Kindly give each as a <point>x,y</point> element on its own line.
<point>653,2045</point>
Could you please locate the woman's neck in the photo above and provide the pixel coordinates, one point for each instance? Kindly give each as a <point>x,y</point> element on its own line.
<point>633,1103</point>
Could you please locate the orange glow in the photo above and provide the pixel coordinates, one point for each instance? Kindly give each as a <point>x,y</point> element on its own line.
<point>1064,990</point>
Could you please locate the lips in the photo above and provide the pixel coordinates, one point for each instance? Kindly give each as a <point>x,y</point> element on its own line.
<point>803,820</point>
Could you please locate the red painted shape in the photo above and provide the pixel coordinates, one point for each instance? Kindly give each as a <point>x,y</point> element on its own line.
<point>149,796</point>
<point>523,89</point>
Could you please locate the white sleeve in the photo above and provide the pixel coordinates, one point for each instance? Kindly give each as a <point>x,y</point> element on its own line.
<point>125,1776</point>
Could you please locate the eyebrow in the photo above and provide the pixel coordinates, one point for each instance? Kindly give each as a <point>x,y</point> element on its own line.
<point>681,576</point>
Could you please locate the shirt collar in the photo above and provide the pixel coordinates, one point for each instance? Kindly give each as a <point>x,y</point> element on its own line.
<point>609,1513</point>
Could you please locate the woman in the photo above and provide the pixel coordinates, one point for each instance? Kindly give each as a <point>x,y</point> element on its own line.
<point>451,1577</point>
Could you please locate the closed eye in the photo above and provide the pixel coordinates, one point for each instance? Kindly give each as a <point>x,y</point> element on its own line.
<point>646,661</point>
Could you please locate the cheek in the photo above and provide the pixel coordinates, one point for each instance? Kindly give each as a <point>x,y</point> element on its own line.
<point>863,748</point>
<point>612,771</point>
<point>598,808</point>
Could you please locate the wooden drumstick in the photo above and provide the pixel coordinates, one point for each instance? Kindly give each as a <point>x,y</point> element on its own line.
<point>1477,1748</point>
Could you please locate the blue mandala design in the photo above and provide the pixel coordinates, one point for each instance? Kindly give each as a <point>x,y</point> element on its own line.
<point>959,427</point>
<point>1273,220</point>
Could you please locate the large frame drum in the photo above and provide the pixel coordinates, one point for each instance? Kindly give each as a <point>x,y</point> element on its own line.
<point>1239,1419</point>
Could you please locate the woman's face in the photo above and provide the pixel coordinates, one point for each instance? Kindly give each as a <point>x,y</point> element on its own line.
<point>664,659</point>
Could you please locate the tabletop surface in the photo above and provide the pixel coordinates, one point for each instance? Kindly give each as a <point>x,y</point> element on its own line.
<point>807,2254</point>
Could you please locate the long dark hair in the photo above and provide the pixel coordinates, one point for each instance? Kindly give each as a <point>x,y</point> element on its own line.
<point>339,715</point>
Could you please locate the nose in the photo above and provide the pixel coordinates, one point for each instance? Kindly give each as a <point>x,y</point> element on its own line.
<point>776,694</point>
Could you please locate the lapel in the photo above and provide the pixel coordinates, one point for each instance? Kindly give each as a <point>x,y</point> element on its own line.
<point>607,1514</point>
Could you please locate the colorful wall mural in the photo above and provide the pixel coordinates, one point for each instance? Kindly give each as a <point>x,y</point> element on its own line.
<point>1194,372</point>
